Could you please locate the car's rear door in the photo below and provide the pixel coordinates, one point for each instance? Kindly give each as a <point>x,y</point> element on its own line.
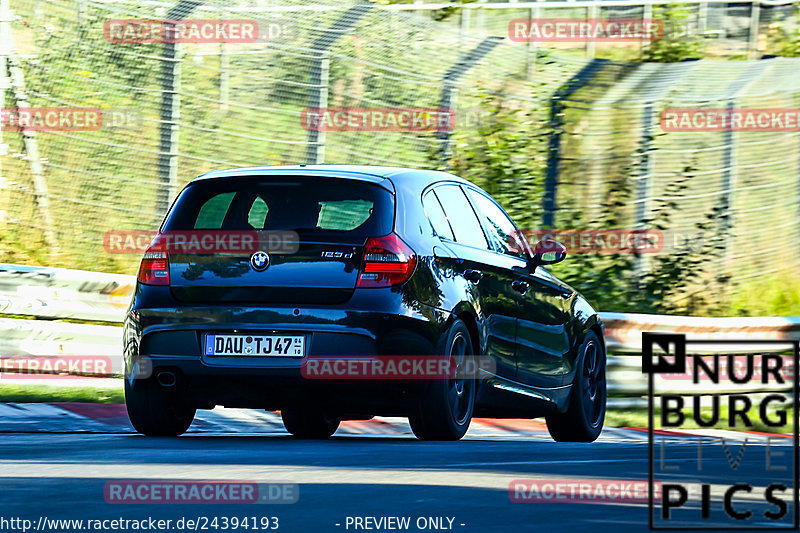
<point>541,337</point>
<point>487,277</point>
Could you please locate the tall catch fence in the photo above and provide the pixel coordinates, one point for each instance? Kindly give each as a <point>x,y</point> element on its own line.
<point>172,111</point>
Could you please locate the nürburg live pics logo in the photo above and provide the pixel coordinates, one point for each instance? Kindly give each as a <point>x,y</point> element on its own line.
<point>723,433</point>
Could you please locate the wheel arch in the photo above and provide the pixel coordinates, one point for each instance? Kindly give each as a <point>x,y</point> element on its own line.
<point>465,312</point>
<point>580,329</point>
<point>598,329</point>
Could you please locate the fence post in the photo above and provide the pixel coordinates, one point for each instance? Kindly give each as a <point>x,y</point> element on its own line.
<point>19,95</point>
<point>449,83</point>
<point>32,154</point>
<point>5,83</point>
<point>755,12</point>
<point>168,129</point>
<point>702,18</point>
<point>480,22</point>
<point>591,14</point>
<point>224,77</point>
<point>315,151</point>
<point>80,11</point>
<point>675,72</point>
<point>647,15</point>
<point>643,184</point>
<point>645,167</point>
<point>555,125</point>
<point>728,181</point>
<point>170,114</point>
<point>463,30</point>
<point>320,70</point>
<point>533,47</point>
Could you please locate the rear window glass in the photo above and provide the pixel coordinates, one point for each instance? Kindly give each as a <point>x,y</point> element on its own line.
<point>344,215</point>
<point>310,204</point>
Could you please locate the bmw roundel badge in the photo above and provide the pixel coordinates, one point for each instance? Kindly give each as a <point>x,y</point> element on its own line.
<point>259,261</point>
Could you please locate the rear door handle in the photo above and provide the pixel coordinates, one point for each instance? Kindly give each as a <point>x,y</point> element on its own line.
<point>520,286</point>
<point>473,275</point>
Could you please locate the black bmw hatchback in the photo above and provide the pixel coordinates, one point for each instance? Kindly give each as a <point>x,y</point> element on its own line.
<point>278,286</point>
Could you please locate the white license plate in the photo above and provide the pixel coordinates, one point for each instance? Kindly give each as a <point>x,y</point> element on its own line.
<point>255,345</point>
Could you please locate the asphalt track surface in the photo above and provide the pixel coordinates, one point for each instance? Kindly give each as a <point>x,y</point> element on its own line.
<point>62,474</point>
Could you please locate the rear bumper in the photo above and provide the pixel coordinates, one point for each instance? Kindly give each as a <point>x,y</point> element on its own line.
<point>170,340</point>
<point>278,390</point>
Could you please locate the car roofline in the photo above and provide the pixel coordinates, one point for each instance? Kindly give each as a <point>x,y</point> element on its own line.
<point>384,176</point>
<point>298,170</point>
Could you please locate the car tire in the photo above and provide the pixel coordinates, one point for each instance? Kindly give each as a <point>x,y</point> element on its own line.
<point>583,420</point>
<point>444,410</point>
<point>309,423</point>
<point>156,412</point>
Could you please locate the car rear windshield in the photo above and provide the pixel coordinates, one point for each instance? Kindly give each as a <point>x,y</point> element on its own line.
<point>303,204</point>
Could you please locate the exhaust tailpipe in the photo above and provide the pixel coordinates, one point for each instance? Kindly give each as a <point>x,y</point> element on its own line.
<point>166,379</point>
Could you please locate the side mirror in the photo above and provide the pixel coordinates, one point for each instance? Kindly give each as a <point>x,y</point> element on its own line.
<point>548,252</point>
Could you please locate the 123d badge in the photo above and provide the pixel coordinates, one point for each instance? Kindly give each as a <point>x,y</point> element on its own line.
<point>723,433</point>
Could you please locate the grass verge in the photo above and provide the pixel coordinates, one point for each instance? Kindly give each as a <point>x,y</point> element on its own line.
<point>637,418</point>
<point>48,393</point>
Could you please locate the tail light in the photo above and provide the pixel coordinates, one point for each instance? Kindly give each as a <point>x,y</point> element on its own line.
<point>154,269</point>
<point>387,261</point>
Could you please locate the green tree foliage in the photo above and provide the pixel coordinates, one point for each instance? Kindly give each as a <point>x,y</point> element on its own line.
<point>507,156</point>
<point>679,41</point>
<point>784,39</point>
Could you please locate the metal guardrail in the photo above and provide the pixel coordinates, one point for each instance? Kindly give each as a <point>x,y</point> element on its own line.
<point>54,293</point>
<point>47,296</point>
<point>624,343</point>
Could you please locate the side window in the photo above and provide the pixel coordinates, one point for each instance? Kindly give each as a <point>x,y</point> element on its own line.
<point>462,218</point>
<point>212,213</point>
<point>258,213</point>
<point>436,215</point>
<point>501,231</point>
